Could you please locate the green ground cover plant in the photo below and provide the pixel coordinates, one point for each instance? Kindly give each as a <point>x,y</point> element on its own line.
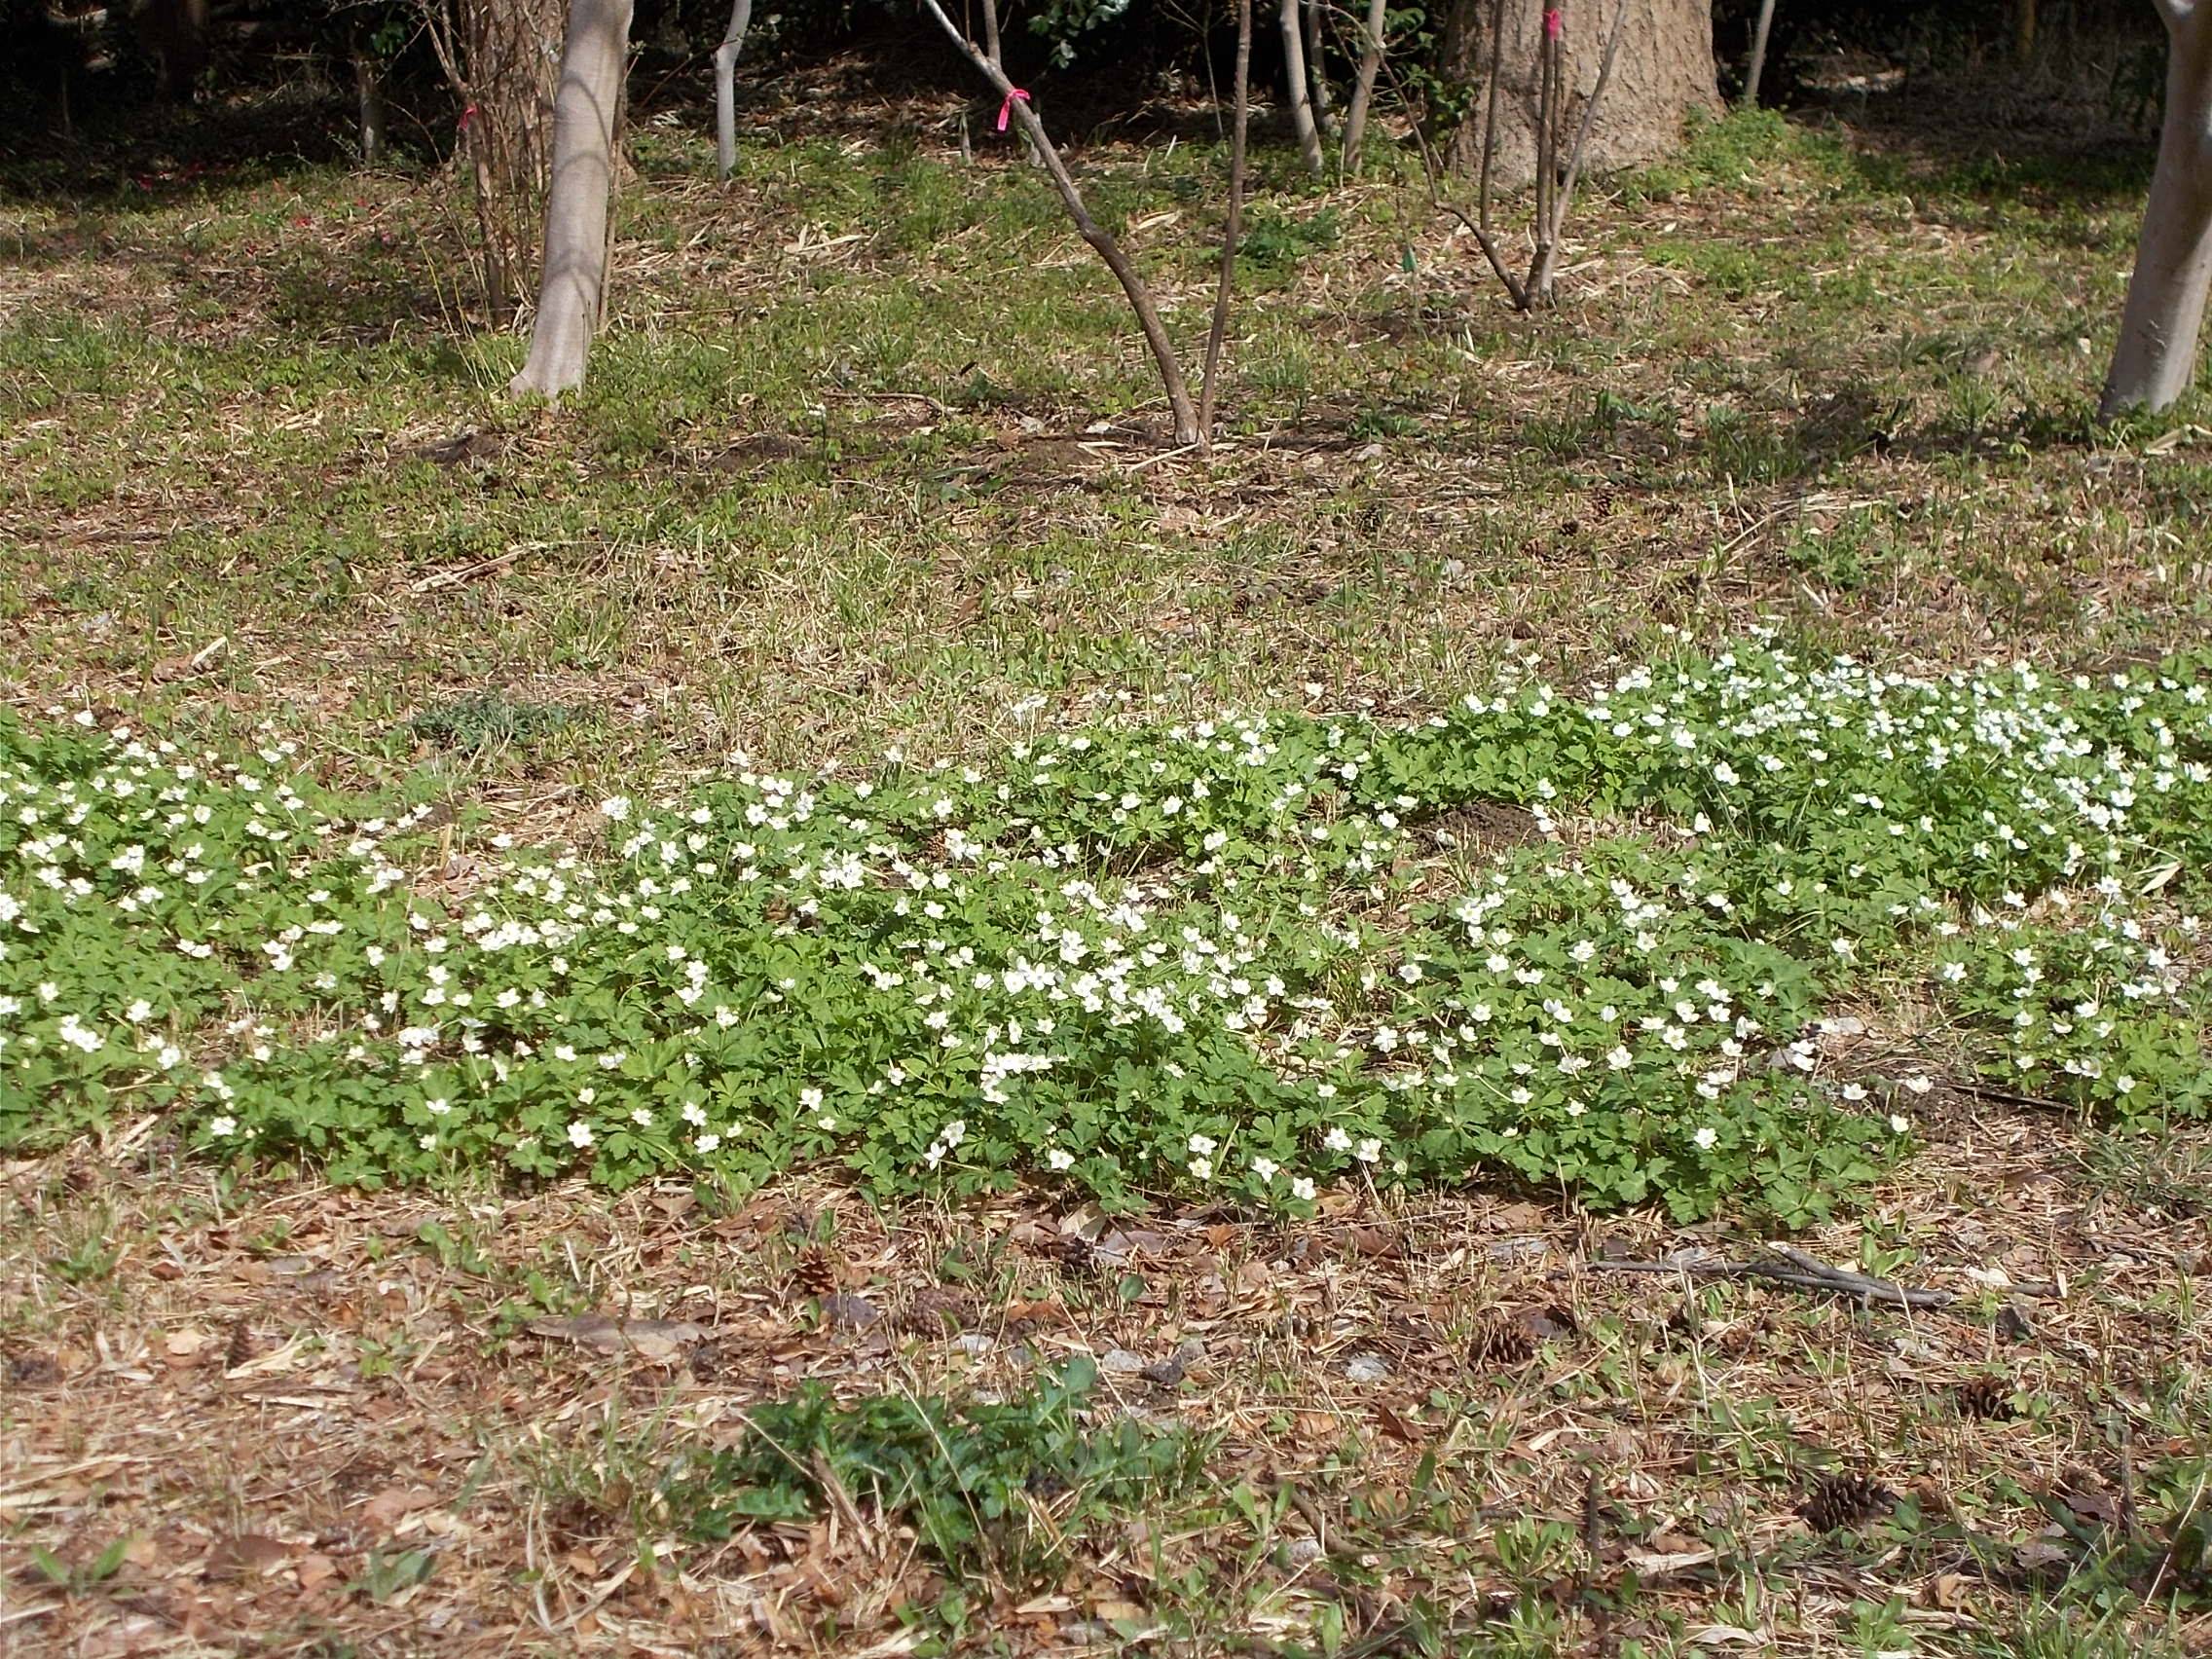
<point>1213,957</point>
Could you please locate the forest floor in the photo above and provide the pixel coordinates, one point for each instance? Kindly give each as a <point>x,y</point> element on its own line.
<point>869,458</point>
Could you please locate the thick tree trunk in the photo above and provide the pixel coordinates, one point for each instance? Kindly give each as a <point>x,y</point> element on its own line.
<point>1663,72</point>
<point>725,88</point>
<point>586,114</point>
<point>1296,85</point>
<point>2156,355</point>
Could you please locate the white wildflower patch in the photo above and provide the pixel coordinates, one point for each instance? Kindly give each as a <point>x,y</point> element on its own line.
<point>1148,959</point>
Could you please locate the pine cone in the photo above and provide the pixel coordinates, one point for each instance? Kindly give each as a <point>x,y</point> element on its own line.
<point>1501,1339</point>
<point>815,1272</point>
<point>1844,1500</point>
<point>239,1349</point>
<point>1989,1398</point>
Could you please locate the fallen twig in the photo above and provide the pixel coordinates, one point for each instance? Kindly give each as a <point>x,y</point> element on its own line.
<point>1796,1270</point>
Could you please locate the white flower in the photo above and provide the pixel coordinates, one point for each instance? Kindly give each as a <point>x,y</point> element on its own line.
<point>2123,1084</point>
<point>708,1143</point>
<point>223,1128</point>
<point>1266,1169</point>
<point>437,1107</point>
<point>1899,1123</point>
<point>1918,1085</point>
<point>427,1142</point>
<point>1705,1138</point>
<point>1203,1168</point>
<point>1620,1059</point>
<point>1336,1140</point>
<point>1723,773</point>
<point>1205,1145</point>
<point>616,808</point>
<point>1368,1151</point>
<point>1301,1188</point>
<point>1843,948</point>
<point>139,1012</point>
<point>1059,1158</point>
<point>580,1135</point>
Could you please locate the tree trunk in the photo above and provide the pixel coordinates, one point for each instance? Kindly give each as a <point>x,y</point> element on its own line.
<point>1296,85</point>
<point>177,32</point>
<point>1209,387</point>
<point>725,88</point>
<point>1758,67</point>
<point>368,89</point>
<point>586,112</point>
<point>1664,71</point>
<point>1363,88</point>
<point>2156,355</point>
<point>1318,69</point>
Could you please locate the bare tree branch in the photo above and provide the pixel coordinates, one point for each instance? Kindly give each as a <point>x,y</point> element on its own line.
<point>1101,240</point>
<point>1540,272</point>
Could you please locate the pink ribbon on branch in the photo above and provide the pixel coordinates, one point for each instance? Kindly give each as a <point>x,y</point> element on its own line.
<point>1006,106</point>
<point>1555,22</point>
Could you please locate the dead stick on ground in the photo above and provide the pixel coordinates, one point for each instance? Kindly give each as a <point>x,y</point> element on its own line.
<point>1803,1273</point>
<point>1018,108</point>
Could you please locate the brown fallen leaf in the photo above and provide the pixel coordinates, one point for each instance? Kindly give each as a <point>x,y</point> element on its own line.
<point>659,1341</point>
<point>1952,1592</point>
<point>314,1570</point>
<point>1378,1244</point>
<point>389,1504</point>
<point>2092,1505</point>
<point>246,1555</point>
<point>1396,1426</point>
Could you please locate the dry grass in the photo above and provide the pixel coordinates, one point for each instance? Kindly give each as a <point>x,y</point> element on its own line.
<point>292,1401</point>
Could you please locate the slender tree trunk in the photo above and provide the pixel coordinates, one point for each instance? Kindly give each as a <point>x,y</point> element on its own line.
<point>725,88</point>
<point>1757,65</point>
<point>2156,355</point>
<point>1363,87</point>
<point>2023,33</point>
<point>1318,69</point>
<point>368,91</point>
<point>586,112</point>
<point>1209,386</point>
<point>1296,84</point>
<point>1016,106</point>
